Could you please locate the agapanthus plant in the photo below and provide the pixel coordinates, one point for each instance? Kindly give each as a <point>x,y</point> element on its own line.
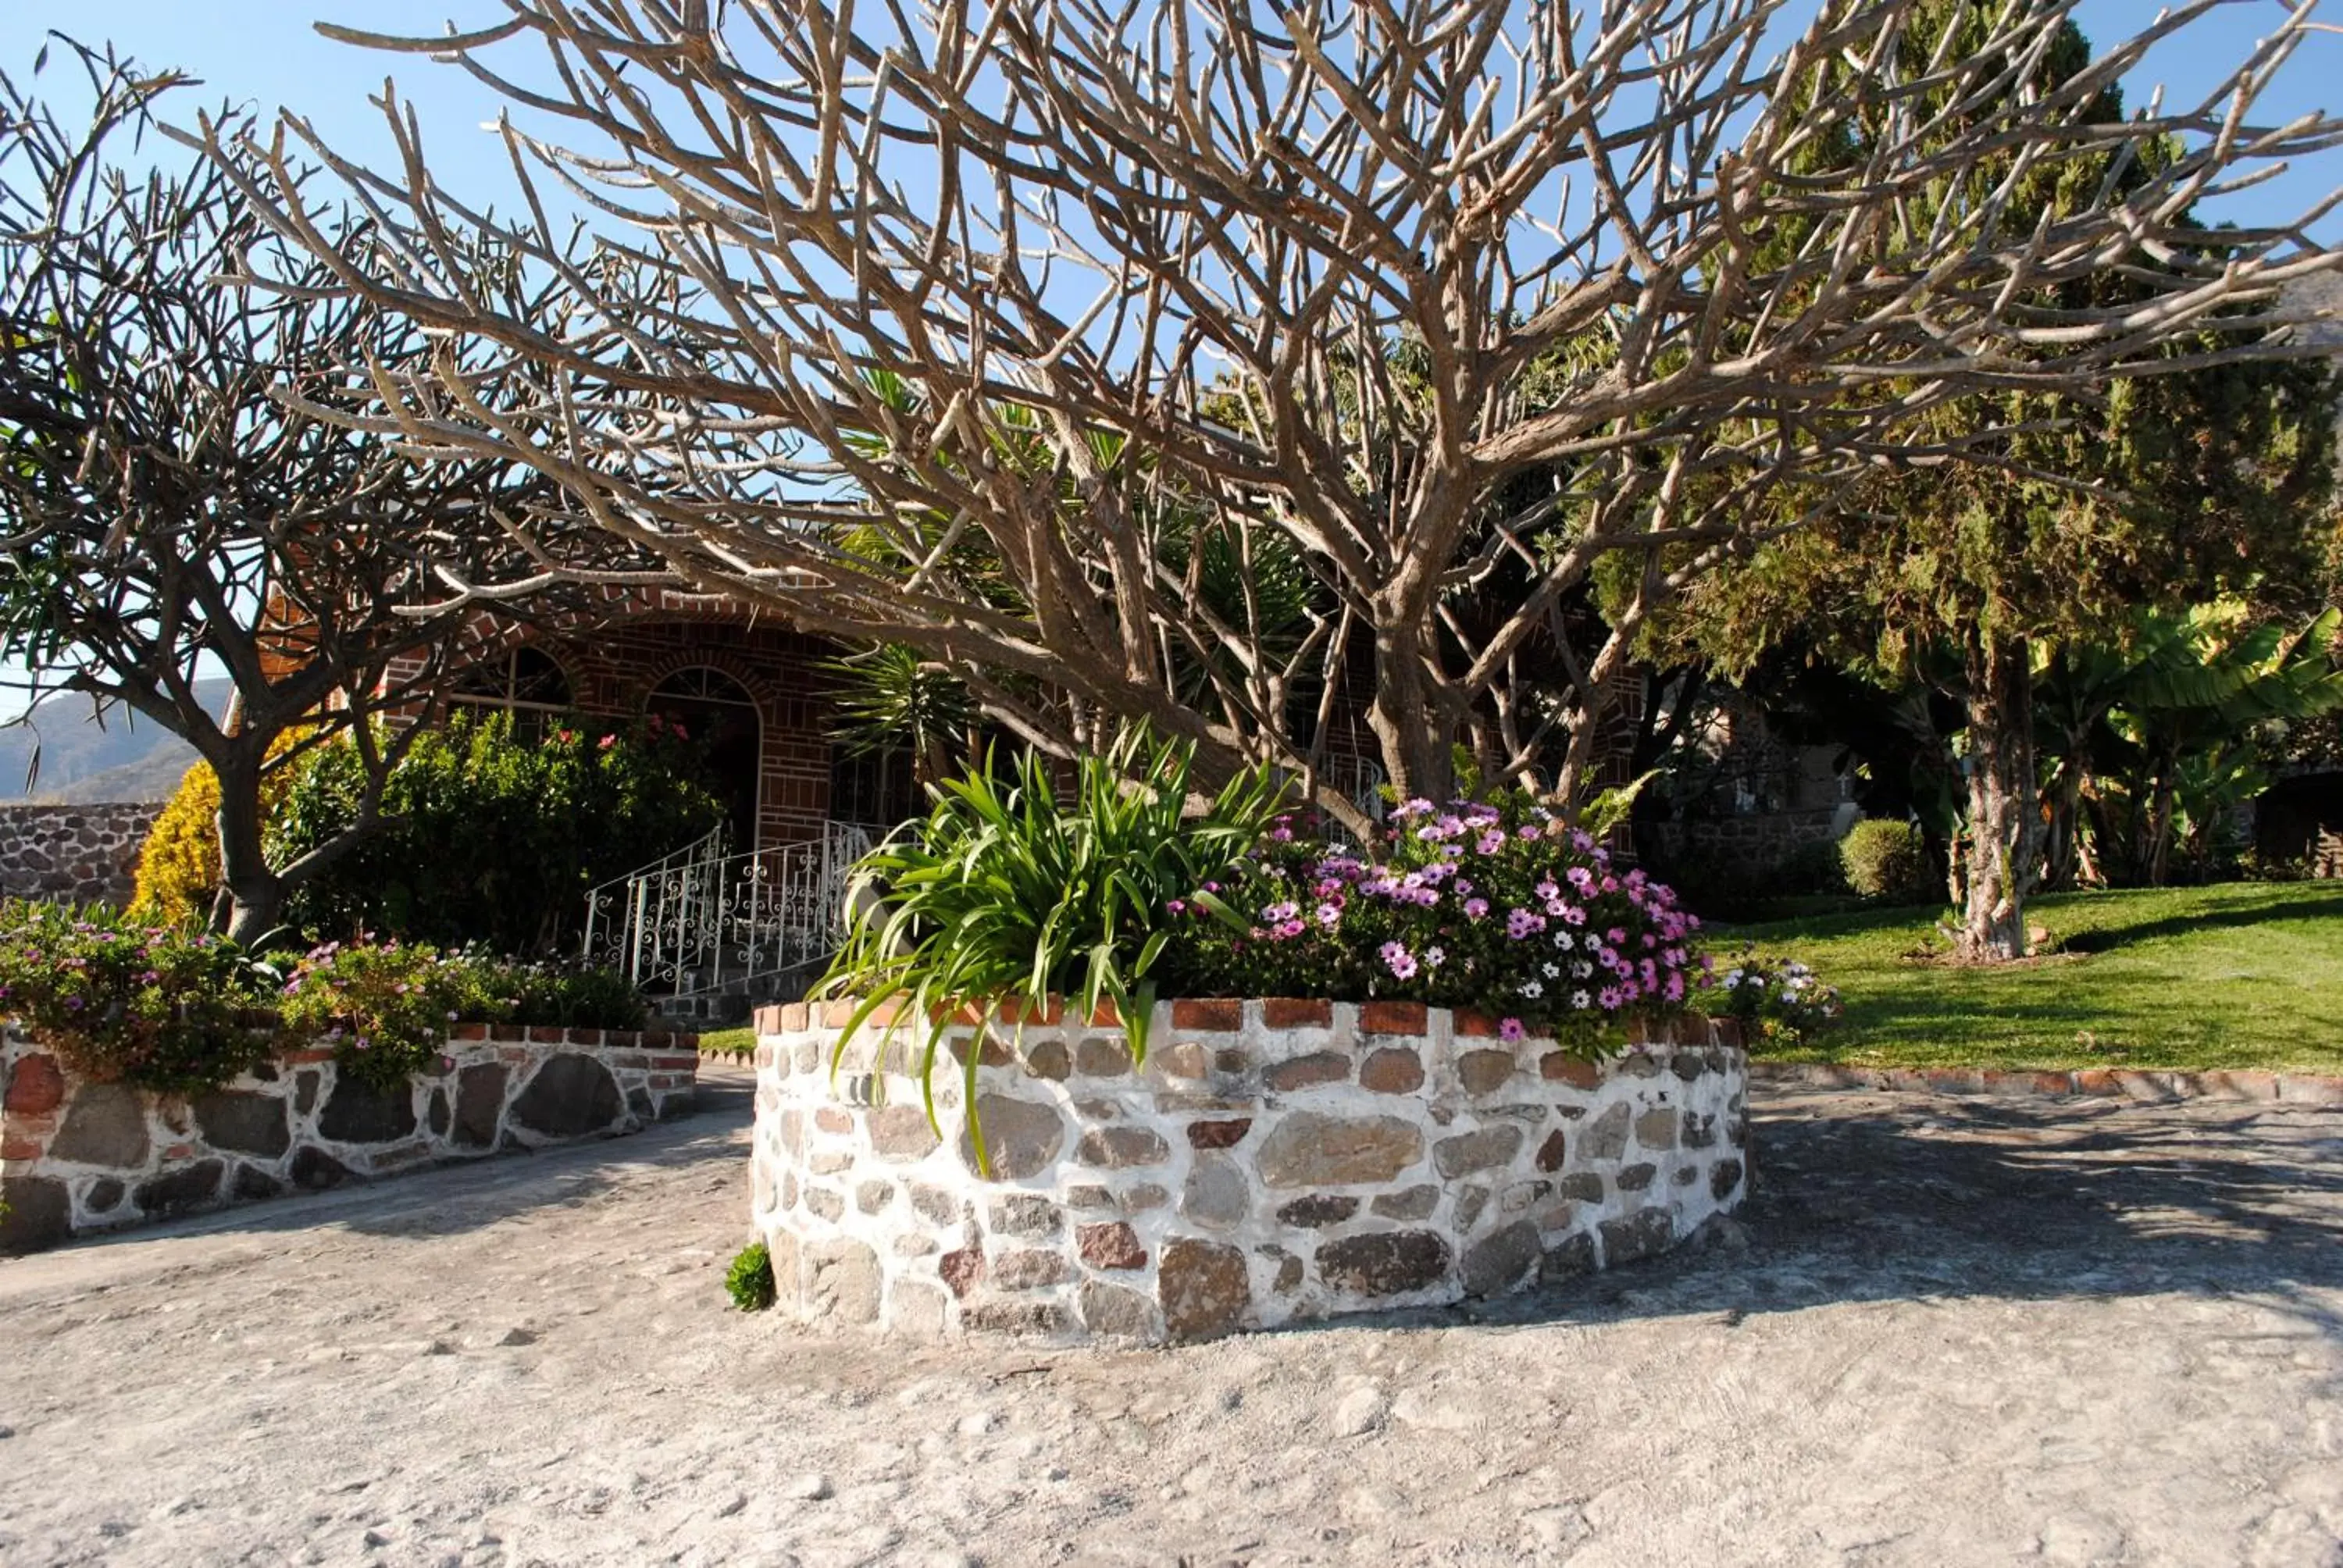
<point>1504,908</point>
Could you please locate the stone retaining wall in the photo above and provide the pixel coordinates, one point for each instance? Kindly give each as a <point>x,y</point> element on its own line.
<point>73,854</point>
<point>1274,1160</point>
<point>77,1156</point>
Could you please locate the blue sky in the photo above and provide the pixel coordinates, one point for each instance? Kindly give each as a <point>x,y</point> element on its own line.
<point>264,54</point>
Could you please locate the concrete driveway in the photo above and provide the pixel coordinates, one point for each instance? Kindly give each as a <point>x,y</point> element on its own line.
<point>1951,1332</point>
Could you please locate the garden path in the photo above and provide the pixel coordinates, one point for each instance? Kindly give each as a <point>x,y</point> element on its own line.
<point>1951,1332</point>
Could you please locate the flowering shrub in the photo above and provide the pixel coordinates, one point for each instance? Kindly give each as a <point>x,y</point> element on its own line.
<point>1775,999</point>
<point>1500,908</point>
<point>178,1009</point>
<point>161,1007</point>
<point>385,1007</point>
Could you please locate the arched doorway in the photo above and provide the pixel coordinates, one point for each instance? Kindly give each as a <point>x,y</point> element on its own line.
<point>717,711</point>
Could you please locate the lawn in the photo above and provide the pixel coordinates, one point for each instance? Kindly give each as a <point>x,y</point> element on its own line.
<point>2244,974</point>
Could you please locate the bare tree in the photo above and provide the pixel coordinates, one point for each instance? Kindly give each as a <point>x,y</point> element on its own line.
<point>166,508</point>
<point>962,328</point>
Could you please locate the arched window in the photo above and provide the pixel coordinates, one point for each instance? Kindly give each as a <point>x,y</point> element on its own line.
<point>717,713</point>
<point>525,682</point>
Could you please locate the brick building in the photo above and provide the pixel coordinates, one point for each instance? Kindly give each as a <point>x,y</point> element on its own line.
<point>749,689</point>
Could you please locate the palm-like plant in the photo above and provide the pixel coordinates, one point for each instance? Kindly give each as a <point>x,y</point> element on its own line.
<point>1004,895</point>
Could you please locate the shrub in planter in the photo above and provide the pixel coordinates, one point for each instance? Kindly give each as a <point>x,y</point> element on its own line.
<point>1499,907</point>
<point>490,839</point>
<point>1775,999</point>
<point>166,1008</point>
<point>1889,861</point>
<point>386,1007</point>
<point>1004,894</point>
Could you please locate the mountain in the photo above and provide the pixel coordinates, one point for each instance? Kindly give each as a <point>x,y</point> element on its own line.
<point>82,761</point>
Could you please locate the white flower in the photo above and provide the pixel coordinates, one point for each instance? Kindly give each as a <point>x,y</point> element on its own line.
<point>1434,957</point>
<point>1579,999</point>
<point>1534,988</point>
<point>1565,941</point>
<point>1581,969</point>
<point>1552,971</point>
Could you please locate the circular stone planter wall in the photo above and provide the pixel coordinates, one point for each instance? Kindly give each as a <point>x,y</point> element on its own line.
<point>1274,1160</point>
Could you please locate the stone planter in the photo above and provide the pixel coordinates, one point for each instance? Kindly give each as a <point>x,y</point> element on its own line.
<point>1274,1160</point>
<point>77,1156</point>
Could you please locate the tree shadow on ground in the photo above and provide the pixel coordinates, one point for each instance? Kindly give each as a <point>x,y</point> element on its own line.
<point>2109,939</point>
<point>1912,1198</point>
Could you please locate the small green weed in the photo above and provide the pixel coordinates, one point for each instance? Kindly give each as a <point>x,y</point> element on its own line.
<point>750,1280</point>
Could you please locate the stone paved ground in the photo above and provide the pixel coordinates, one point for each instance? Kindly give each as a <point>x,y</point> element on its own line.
<point>1957,1332</point>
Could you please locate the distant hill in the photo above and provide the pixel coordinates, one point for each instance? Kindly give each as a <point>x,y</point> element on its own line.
<point>128,758</point>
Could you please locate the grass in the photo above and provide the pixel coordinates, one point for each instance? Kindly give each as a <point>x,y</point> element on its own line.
<point>740,1042</point>
<point>2239,975</point>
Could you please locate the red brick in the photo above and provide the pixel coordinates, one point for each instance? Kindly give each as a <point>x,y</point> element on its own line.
<point>1106,1015</point>
<point>1392,1018</point>
<point>1223,1014</point>
<point>2248,1085</point>
<point>307,1057</point>
<point>1726,1032</point>
<point>2053,1083</point>
<point>37,1085</point>
<point>793,1017</point>
<point>1475,1025</point>
<point>1297,1012</point>
<point>835,1014</point>
<point>676,1063</point>
<point>766,1019</point>
<point>2097,1080</point>
<point>468,1031</point>
<point>15,1145</point>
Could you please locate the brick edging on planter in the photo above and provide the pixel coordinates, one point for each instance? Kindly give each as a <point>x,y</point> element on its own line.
<point>2146,1085</point>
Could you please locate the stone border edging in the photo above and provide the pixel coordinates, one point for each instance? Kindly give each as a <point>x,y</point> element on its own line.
<point>2143,1085</point>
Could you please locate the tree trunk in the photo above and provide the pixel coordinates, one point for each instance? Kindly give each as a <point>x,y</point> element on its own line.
<point>2064,860</point>
<point>2002,844</point>
<point>255,892</point>
<point>1408,721</point>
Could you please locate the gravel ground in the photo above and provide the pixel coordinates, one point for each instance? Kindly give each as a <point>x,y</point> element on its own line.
<point>1950,1332</point>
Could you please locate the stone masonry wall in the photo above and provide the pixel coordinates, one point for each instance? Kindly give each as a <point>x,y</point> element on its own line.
<point>1274,1160</point>
<point>73,854</point>
<point>79,1156</point>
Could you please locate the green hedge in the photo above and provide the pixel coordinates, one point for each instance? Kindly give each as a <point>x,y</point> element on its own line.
<point>490,839</point>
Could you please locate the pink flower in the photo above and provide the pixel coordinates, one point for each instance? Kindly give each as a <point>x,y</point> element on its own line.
<point>1509,1028</point>
<point>1399,960</point>
<point>605,742</point>
<point>1490,843</point>
<point>1475,908</point>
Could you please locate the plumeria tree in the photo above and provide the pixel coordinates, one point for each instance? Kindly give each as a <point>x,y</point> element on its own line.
<point>986,329</point>
<point>170,508</point>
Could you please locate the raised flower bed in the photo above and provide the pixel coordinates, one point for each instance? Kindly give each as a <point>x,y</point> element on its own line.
<point>1274,1161</point>
<point>78,1155</point>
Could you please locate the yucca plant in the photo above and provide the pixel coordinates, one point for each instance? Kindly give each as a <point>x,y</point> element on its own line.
<point>1003,895</point>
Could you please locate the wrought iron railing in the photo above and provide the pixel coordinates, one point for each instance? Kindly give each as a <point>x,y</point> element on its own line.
<point>704,920</point>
